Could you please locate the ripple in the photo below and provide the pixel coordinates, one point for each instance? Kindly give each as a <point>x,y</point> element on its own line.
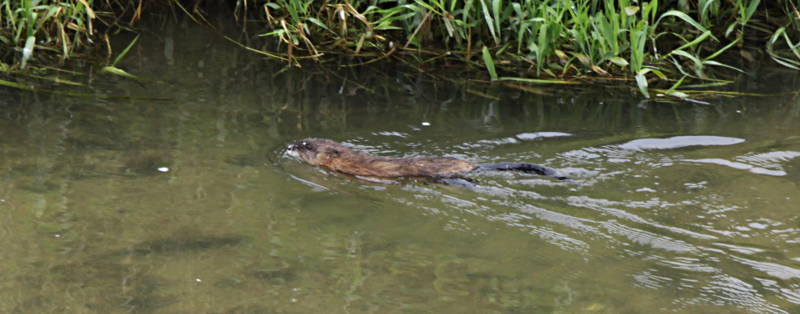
<point>791,295</point>
<point>648,238</point>
<point>500,141</point>
<point>540,135</point>
<point>772,269</point>
<point>605,206</point>
<point>740,249</point>
<point>649,280</point>
<point>390,133</point>
<point>314,187</point>
<point>679,142</point>
<point>558,239</point>
<point>689,264</point>
<point>739,166</point>
<point>733,290</point>
<point>559,218</point>
<point>769,159</point>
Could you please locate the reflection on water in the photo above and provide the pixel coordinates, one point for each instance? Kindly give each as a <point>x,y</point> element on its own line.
<point>188,205</point>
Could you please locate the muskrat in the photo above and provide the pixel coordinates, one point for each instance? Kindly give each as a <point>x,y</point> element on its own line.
<point>340,158</point>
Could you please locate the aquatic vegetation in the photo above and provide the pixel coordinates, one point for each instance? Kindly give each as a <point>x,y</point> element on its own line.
<point>658,46</point>
<point>545,41</point>
<point>668,41</point>
<point>59,27</point>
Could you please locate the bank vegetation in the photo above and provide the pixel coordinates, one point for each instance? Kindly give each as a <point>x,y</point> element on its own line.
<point>665,47</point>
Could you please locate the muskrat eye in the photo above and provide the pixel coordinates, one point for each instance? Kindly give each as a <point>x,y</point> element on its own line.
<point>307,145</point>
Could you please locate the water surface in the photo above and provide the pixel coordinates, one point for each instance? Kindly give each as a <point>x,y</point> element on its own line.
<point>176,198</point>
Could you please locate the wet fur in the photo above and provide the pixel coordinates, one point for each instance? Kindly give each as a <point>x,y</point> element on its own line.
<point>337,157</point>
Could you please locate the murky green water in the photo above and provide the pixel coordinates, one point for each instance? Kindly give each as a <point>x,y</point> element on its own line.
<point>186,205</point>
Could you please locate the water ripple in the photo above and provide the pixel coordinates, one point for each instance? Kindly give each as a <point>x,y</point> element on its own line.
<point>648,279</point>
<point>740,249</point>
<point>769,159</point>
<point>732,290</point>
<point>689,264</point>
<point>605,206</point>
<point>540,135</point>
<point>738,165</point>
<point>679,142</point>
<point>648,238</point>
<point>772,269</point>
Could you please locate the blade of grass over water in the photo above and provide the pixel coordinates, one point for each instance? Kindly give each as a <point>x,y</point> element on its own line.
<point>125,51</point>
<point>75,94</point>
<point>487,60</point>
<point>779,58</point>
<point>119,72</point>
<point>538,81</point>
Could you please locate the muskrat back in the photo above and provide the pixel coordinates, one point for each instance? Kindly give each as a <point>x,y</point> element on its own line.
<point>337,157</point>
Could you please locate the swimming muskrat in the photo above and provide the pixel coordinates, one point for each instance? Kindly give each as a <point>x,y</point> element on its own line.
<point>337,157</point>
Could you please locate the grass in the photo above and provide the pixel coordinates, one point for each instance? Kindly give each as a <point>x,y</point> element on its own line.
<point>657,44</point>
<point>57,27</point>
<point>662,42</point>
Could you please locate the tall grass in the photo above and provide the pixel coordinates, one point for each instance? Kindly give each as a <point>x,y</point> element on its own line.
<point>663,42</point>
<point>58,27</point>
<point>668,42</point>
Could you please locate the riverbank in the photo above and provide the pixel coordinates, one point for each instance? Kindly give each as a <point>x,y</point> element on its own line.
<point>660,48</point>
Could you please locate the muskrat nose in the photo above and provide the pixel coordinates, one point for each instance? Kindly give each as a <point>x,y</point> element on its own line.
<point>290,147</point>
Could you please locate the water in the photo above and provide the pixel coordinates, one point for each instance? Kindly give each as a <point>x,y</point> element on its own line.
<point>176,198</point>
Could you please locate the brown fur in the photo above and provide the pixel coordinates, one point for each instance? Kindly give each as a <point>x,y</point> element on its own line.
<point>337,157</point>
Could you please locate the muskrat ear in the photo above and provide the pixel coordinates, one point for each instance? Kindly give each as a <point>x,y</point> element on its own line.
<point>335,153</point>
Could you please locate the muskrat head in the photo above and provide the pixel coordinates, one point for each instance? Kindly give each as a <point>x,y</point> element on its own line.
<point>314,151</point>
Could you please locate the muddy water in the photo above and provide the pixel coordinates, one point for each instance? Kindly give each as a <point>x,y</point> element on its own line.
<point>174,196</point>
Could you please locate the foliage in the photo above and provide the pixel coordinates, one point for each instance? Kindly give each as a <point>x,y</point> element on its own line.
<point>57,26</point>
<point>52,31</point>
<point>663,42</point>
<point>669,41</point>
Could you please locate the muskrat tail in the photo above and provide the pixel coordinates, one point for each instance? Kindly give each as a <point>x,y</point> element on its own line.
<point>523,167</point>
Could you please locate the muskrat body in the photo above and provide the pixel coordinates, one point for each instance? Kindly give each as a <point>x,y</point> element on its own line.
<point>340,158</point>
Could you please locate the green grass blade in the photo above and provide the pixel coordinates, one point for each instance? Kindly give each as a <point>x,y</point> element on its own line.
<point>537,81</point>
<point>14,85</point>
<point>692,43</point>
<point>118,71</point>
<point>686,18</point>
<point>124,51</point>
<point>27,52</point>
<point>719,52</point>
<point>487,60</point>
<point>641,82</point>
<point>496,5</point>
<point>719,64</point>
<point>489,21</point>
<point>748,13</point>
